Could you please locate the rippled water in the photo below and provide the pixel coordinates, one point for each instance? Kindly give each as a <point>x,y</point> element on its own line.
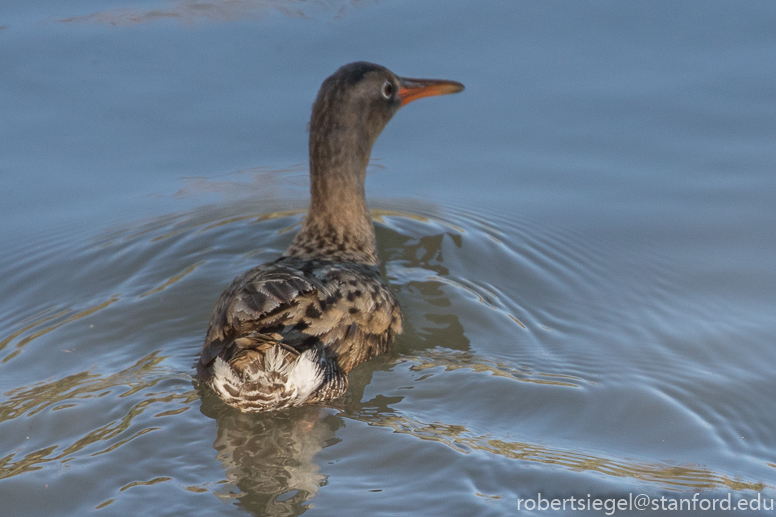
<point>582,243</point>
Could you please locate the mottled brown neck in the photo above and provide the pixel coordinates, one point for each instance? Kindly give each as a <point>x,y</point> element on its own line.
<point>345,233</point>
<point>338,225</point>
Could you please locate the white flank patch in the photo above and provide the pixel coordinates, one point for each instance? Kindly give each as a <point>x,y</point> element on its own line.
<point>306,374</point>
<point>223,375</point>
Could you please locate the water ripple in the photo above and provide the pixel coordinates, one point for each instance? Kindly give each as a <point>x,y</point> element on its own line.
<point>44,323</point>
<point>498,312</point>
<point>30,401</point>
<point>460,439</point>
<point>452,360</point>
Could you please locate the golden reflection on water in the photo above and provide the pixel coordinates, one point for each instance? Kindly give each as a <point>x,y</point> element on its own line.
<point>255,218</point>
<point>28,401</point>
<point>41,319</point>
<point>452,360</point>
<point>457,437</point>
<point>184,225</point>
<point>270,459</point>
<point>379,215</point>
<point>172,280</point>
<point>145,483</point>
<point>167,226</point>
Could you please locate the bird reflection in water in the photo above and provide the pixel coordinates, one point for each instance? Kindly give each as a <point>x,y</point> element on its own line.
<point>268,458</point>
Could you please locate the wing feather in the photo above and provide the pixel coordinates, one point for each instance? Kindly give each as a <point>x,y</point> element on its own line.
<point>344,307</point>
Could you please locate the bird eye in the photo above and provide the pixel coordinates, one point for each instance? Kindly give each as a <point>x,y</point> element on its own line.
<point>387,90</point>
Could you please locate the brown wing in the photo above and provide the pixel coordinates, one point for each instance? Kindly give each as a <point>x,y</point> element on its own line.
<point>343,306</point>
<point>361,317</point>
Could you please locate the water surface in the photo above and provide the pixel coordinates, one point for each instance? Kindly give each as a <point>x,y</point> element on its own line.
<point>582,243</point>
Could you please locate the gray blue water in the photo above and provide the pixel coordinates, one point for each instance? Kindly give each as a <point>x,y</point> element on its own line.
<point>583,244</point>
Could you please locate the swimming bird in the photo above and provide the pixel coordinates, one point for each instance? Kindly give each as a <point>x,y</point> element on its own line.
<point>288,332</point>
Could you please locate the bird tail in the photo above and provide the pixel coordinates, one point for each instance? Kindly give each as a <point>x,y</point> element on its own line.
<point>263,380</point>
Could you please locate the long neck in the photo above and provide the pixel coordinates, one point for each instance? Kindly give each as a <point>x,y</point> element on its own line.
<point>338,225</point>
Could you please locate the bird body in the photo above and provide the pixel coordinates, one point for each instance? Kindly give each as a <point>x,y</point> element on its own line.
<point>287,333</point>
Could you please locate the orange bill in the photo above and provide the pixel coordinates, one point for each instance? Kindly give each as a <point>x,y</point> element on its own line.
<point>413,89</point>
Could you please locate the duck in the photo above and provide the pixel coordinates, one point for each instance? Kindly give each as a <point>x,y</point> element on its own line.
<point>288,332</point>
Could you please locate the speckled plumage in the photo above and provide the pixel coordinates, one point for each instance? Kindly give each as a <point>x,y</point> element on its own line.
<point>288,332</point>
<point>341,311</point>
